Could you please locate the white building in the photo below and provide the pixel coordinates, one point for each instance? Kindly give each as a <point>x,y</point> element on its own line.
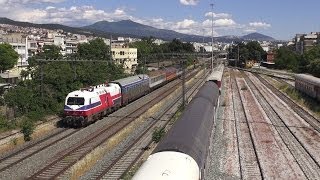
<point>159,41</point>
<point>208,48</point>
<point>265,46</point>
<point>71,46</point>
<point>19,43</point>
<point>125,56</point>
<point>59,40</point>
<point>197,46</point>
<point>122,54</point>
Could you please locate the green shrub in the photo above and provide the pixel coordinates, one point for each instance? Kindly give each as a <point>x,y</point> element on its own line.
<point>36,115</point>
<point>158,134</point>
<point>15,141</point>
<point>27,129</point>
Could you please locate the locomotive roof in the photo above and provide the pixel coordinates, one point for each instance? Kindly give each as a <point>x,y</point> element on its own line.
<point>311,79</point>
<point>131,79</point>
<point>82,93</point>
<point>191,133</point>
<point>98,89</point>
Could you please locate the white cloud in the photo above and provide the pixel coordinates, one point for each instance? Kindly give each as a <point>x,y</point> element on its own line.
<point>224,22</point>
<point>119,12</point>
<point>259,25</point>
<point>75,15</point>
<point>250,30</point>
<point>50,7</point>
<point>220,23</point>
<point>189,2</point>
<point>186,23</point>
<point>218,15</point>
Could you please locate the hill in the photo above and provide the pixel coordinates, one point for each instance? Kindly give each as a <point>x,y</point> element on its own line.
<point>73,30</point>
<point>133,29</point>
<point>257,37</point>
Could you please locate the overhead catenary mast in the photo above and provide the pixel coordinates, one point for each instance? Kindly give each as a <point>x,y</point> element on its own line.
<point>211,35</point>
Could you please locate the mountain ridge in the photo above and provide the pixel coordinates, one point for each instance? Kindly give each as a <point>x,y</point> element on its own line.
<point>135,30</point>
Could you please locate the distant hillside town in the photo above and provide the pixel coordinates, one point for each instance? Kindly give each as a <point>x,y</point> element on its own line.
<point>28,41</point>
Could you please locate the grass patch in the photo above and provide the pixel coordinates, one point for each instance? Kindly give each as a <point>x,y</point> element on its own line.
<point>177,115</point>
<point>301,98</point>
<point>157,134</point>
<point>14,141</point>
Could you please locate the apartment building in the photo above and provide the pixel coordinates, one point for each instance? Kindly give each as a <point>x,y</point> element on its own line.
<point>304,42</point>
<point>19,43</point>
<point>122,54</point>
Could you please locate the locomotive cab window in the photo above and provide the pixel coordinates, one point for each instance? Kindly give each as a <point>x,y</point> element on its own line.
<point>75,101</point>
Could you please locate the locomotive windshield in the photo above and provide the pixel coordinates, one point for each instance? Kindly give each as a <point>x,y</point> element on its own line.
<point>75,101</point>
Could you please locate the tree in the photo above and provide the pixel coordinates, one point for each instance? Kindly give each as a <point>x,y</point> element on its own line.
<point>243,53</point>
<point>255,51</point>
<point>8,57</point>
<point>96,49</point>
<point>22,99</point>
<point>314,68</point>
<point>312,54</point>
<point>177,46</point>
<point>286,59</point>
<point>145,47</point>
<point>49,52</point>
<point>24,74</point>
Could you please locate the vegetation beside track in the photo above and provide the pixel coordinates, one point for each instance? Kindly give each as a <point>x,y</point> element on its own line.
<point>301,99</point>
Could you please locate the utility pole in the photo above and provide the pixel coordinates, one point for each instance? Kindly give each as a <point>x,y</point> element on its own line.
<point>211,35</point>
<point>204,71</point>
<point>238,56</point>
<point>183,84</point>
<point>41,80</point>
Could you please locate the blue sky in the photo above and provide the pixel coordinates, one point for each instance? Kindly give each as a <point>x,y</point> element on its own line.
<point>281,19</point>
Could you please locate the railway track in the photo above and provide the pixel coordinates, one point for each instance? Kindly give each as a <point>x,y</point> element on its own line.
<point>304,158</point>
<point>18,132</point>
<point>33,148</point>
<point>250,167</point>
<point>125,161</point>
<point>313,121</point>
<point>267,74</point>
<point>70,156</point>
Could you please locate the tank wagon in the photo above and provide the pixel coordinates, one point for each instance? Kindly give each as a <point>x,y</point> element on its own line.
<point>90,104</point>
<point>182,153</point>
<point>308,84</point>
